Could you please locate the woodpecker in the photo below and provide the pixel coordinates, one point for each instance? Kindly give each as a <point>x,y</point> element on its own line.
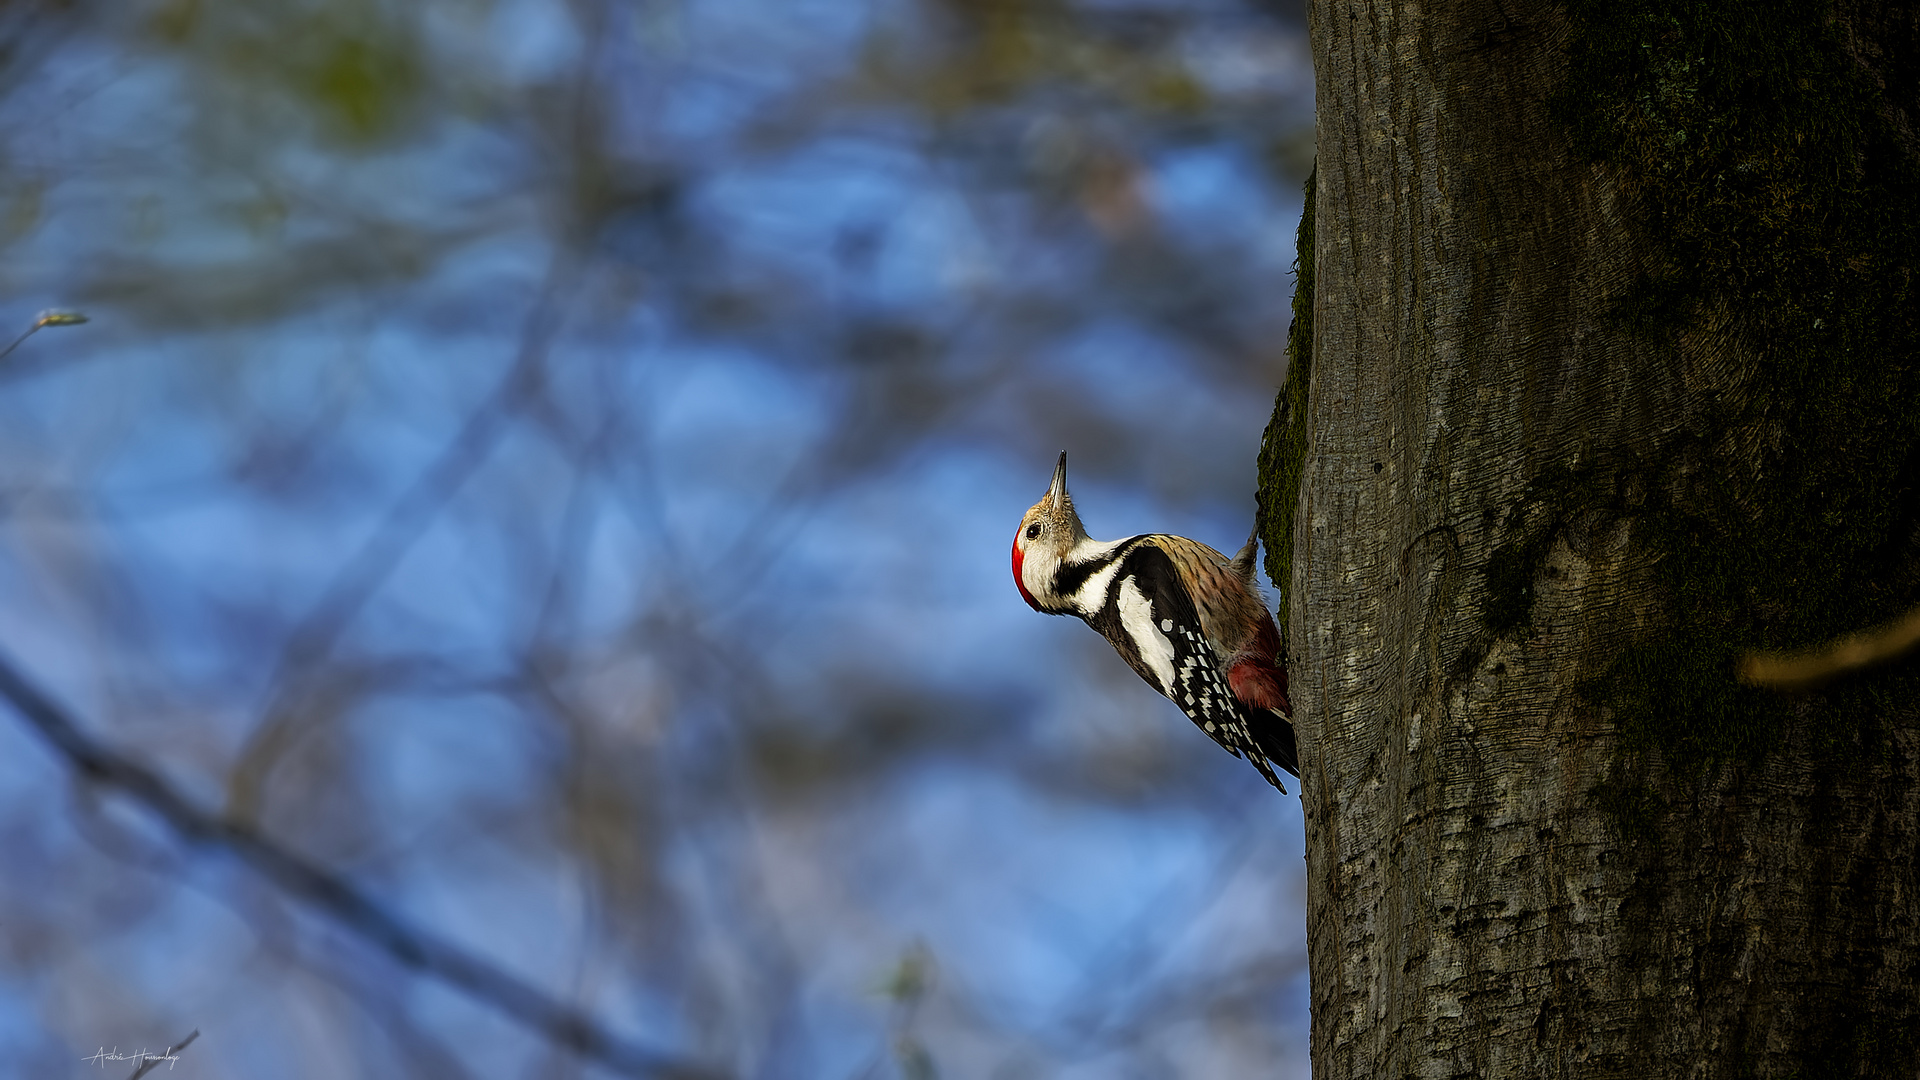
<point>1187,618</point>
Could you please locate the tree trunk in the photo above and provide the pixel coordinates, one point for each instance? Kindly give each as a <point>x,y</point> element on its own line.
<point>1612,376</point>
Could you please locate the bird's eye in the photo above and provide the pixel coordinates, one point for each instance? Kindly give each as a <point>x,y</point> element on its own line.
<point>1033,531</point>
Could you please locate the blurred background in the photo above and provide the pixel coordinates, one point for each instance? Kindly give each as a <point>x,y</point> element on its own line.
<point>554,463</point>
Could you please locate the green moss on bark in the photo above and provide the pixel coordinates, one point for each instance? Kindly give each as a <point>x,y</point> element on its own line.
<point>1780,206</point>
<point>1283,448</point>
<point>1632,806</point>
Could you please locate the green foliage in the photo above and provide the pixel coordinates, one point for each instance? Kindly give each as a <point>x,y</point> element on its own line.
<point>995,51</point>
<point>362,81</point>
<point>1779,207</point>
<point>1283,448</point>
<point>358,70</point>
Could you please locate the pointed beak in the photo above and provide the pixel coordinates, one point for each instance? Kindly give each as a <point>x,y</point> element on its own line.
<point>1057,494</point>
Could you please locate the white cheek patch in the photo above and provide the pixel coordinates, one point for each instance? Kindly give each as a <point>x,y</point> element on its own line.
<point>1136,617</point>
<point>1032,577</point>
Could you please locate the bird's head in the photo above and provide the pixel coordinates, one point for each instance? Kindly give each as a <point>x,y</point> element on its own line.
<point>1047,533</point>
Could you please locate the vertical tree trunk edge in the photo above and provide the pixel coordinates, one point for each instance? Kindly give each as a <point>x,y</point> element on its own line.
<point>1283,446</point>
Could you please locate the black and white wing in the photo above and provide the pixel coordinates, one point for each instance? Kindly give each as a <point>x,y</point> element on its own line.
<point>1150,619</point>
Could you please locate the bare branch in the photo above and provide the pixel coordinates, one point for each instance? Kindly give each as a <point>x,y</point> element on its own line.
<point>367,568</point>
<point>47,318</point>
<point>313,639</point>
<point>338,898</point>
<point>1810,668</point>
<point>151,1060</point>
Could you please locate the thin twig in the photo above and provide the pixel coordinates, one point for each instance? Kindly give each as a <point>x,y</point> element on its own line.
<point>152,1060</point>
<point>367,568</point>
<point>1808,669</point>
<point>312,640</point>
<point>47,318</point>
<point>337,898</point>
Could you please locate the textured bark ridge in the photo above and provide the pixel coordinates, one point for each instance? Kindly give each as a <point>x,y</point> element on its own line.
<point>1613,374</point>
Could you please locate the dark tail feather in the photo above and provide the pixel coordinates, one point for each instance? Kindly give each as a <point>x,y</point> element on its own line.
<point>1277,742</point>
<point>1273,743</point>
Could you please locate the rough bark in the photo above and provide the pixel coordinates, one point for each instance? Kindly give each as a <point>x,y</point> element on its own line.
<point>1612,375</point>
